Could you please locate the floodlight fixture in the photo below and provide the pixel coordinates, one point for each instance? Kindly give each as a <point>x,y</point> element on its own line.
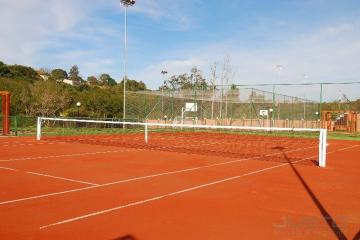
<point>127,3</point>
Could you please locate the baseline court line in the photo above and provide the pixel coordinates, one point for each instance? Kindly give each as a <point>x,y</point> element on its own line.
<point>66,179</point>
<point>141,178</point>
<point>46,195</point>
<point>50,176</point>
<point>64,155</point>
<point>178,192</point>
<point>10,169</point>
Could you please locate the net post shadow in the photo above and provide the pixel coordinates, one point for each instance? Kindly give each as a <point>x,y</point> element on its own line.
<point>126,237</point>
<point>325,214</point>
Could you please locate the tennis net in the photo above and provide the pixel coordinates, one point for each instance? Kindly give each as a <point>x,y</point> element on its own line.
<point>259,143</point>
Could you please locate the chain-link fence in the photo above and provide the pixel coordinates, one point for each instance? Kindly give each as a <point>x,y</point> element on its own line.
<point>287,105</point>
<point>231,106</point>
<point>302,105</point>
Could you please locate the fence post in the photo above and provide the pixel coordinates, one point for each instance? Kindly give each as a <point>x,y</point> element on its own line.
<point>15,125</point>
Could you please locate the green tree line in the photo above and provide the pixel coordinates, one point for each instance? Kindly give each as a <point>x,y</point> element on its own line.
<point>43,92</point>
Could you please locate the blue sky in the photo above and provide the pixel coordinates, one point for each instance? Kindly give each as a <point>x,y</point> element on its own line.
<point>319,38</point>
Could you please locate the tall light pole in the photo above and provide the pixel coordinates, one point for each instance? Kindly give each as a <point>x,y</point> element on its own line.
<point>126,4</point>
<point>162,90</point>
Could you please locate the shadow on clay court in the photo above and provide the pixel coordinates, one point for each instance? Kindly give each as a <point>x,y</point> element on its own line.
<point>126,237</point>
<point>357,236</point>
<point>327,217</point>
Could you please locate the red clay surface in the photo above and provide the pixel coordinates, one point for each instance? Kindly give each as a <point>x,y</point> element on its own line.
<point>68,190</point>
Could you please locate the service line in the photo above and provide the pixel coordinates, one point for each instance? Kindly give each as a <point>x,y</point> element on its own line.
<point>65,155</point>
<point>180,191</point>
<point>145,177</point>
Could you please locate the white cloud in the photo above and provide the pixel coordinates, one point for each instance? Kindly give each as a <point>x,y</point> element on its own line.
<point>66,15</point>
<point>328,54</point>
<point>173,67</point>
<point>175,15</point>
<point>32,29</point>
<point>26,23</point>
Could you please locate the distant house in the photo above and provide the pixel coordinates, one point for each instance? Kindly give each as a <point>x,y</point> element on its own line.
<point>44,77</point>
<point>68,81</point>
<point>43,74</point>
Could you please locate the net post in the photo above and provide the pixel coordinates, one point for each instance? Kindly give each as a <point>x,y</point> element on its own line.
<point>146,133</point>
<point>38,129</point>
<point>322,147</point>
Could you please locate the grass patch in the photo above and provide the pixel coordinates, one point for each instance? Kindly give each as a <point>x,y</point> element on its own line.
<point>344,136</point>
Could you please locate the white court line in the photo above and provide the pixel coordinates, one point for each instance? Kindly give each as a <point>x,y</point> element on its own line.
<point>25,144</point>
<point>11,169</point>
<point>47,195</point>
<point>64,155</point>
<point>157,197</point>
<point>143,177</point>
<point>178,192</point>
<point>51,176</point>
<point>67,179</point>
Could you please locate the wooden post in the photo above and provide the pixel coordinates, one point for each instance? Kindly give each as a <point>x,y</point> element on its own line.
<point>6,112</point>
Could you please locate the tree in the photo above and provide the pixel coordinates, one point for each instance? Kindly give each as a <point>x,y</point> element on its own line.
<point>101,102</point>
<point>186,81</point>
<point>48,99</point>
<point>44,71</point>
<point>107,80</point>
<point>74,75</point>
<point>20,94</point>
<point>93,81</point>
<point>132,85</point>
<point>4,70</point>
<point>58,74</point>
<point>182,81</point>
<point>23,73</point>
<point>197,80</point>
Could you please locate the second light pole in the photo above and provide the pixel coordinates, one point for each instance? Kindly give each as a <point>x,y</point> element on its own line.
<point>162,91</point>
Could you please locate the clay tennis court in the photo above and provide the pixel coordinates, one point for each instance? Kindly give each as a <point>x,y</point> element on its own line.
<point>72,190</point>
